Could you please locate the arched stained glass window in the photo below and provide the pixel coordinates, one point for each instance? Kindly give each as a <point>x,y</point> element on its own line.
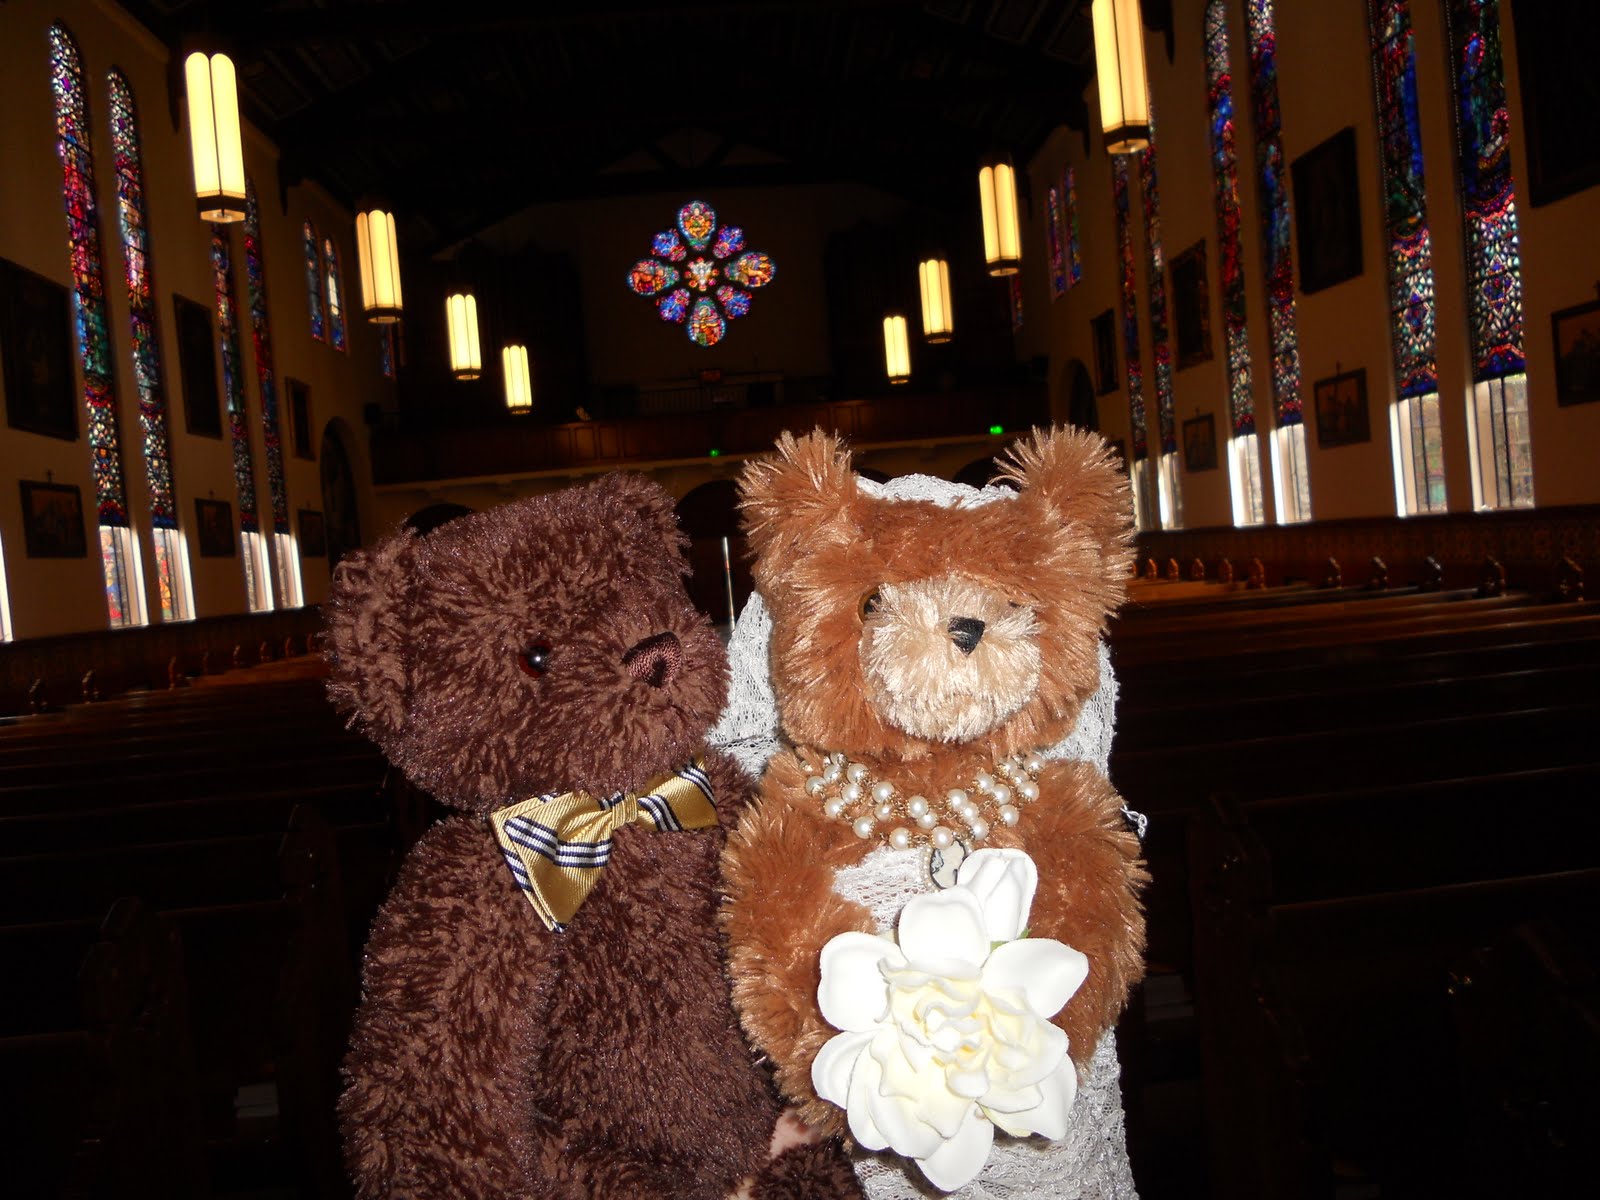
<point>257,579</point>
<point>1061,235</point>
<point>1138,429</point>
<point>1293,485</point>
<point>1414,423</point>
<point>1502,449</point>
<point>1244,459</point>
<point>172,563</point>
<point>335,293</point>
<point>1168,487</point>
<point>284,555</point>
<point>387,351</point>
<point>319,326</point>
<point>118,553</point>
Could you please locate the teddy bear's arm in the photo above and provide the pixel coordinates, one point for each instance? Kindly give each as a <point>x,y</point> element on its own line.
<point>438,1097</point>
<point>780,910</point>
<point>731,786</point>
<point>1090,875</point>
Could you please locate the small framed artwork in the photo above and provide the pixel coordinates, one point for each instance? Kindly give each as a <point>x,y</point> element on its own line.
<point>1342,409</point>
<point>313,537</point>
<point>52,520</point>
<point>1327,210</point>
<point>213,520</point>
<point>197,368</point>
<point>1191,306</point>
<point>36,346</point>
<point>1103,330</point>
<point>1200,443</point>
<point>1577,337</point>
<point>300,418</point>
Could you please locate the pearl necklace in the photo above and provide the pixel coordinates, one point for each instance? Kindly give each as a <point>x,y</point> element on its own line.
<point>850,792</point>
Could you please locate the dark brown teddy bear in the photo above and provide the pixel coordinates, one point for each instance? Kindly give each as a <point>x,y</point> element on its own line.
<point>543,648</point>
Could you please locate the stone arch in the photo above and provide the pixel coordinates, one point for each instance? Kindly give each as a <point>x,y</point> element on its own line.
<point>1082,408</point>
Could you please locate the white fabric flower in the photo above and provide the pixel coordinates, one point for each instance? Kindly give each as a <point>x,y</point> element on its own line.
<point>947,1034</point>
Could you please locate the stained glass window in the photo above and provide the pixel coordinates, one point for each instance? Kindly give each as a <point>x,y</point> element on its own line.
<point>1055,251</point>
<point>386,350</point>
<point>1168,491</point>
<point>1419,444</point>
<point>1138,430</point>
<point>1014,292</point>
<point>330,262</point>
<point>124,589</point>
<point>244,477</point>
<point>171,566</point>
<point>722,282</point>
<point>1294,491</point>
<point>1488,193</point>
<point>1061,235</point>
<point>1244,461</point>
<point>1069,193</point>
<point>319,327</point>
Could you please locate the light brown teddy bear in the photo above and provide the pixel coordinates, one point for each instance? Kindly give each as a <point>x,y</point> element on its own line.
<point>924,657</point>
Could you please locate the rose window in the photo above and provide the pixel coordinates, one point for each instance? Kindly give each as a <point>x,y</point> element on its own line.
<point>704,292</point>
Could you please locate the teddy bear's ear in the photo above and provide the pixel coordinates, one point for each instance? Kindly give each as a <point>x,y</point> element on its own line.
<point>1072,478</point>
<point>636,493</point>
<point>792,494</point>
<point>366,616</point>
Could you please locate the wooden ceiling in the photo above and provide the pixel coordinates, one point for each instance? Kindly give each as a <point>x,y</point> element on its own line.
<point>463,112</point>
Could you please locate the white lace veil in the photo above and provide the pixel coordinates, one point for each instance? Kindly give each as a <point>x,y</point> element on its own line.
<point>1091,1162</point>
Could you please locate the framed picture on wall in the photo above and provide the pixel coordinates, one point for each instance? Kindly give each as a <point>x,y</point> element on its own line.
<point>1200,443</point>
<point>52,520</point>
<point>1103,332</point>
<point>299,394</point>
<point>213,519</point>
<point>313,537</point>
<point>1191,306</point>
<point>1577,339</point>
<point>1342,409</point>
<point>197,368</point>
<point>36,346</point>
<point>1327,210</point>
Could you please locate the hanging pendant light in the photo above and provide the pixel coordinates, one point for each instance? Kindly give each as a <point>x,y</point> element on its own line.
<point>997,195</point>
<point>461,319</point>
<point>519,383</point>
<point>938,323</point>
<point>215,143</point>
<point>379,253</point>
<point>1119,65</point>
<point>896,351</point>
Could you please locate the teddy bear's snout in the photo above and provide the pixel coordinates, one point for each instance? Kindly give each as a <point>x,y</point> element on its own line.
<point>966,633</point>
<point>655,659</point>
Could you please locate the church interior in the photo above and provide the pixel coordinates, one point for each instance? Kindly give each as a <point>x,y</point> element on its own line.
<point>1344,348</point>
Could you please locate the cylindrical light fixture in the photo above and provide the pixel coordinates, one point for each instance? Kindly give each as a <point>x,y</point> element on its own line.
<point>379,253</point>
<point>1119,64</point>
<point>215,143</point>
<point>461,318</point>
<point>933,276</point>
<point>896,351</point>
<point>519,383</point>
<point>1002,242</point>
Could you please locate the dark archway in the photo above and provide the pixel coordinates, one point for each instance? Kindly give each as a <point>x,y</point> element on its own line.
<point>425,520</point>
<point>1082,410</point>
<point>980,472</point>
<point>341,514</point>
<point>709,515</point>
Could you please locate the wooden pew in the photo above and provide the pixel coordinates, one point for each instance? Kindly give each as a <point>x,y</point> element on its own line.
<point>95,1056</point>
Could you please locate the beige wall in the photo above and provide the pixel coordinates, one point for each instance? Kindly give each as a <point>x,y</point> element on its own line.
<point>64,595</point>
<point>1325,84</point>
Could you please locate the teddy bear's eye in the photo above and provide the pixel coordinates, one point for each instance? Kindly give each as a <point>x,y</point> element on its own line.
<point>869,603</point>
<point>535,660</point>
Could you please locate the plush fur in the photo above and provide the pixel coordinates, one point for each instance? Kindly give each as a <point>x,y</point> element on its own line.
<point>490,1057</point>
<point>873,604</point>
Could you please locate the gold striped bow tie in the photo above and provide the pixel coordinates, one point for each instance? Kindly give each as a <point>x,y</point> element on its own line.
<point>557,845</point>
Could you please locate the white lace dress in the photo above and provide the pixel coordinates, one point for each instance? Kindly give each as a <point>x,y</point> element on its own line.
<point>1091,1162</point>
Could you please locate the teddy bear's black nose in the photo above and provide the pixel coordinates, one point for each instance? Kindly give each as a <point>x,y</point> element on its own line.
<point>654,660</point>
<point>965,632</point>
